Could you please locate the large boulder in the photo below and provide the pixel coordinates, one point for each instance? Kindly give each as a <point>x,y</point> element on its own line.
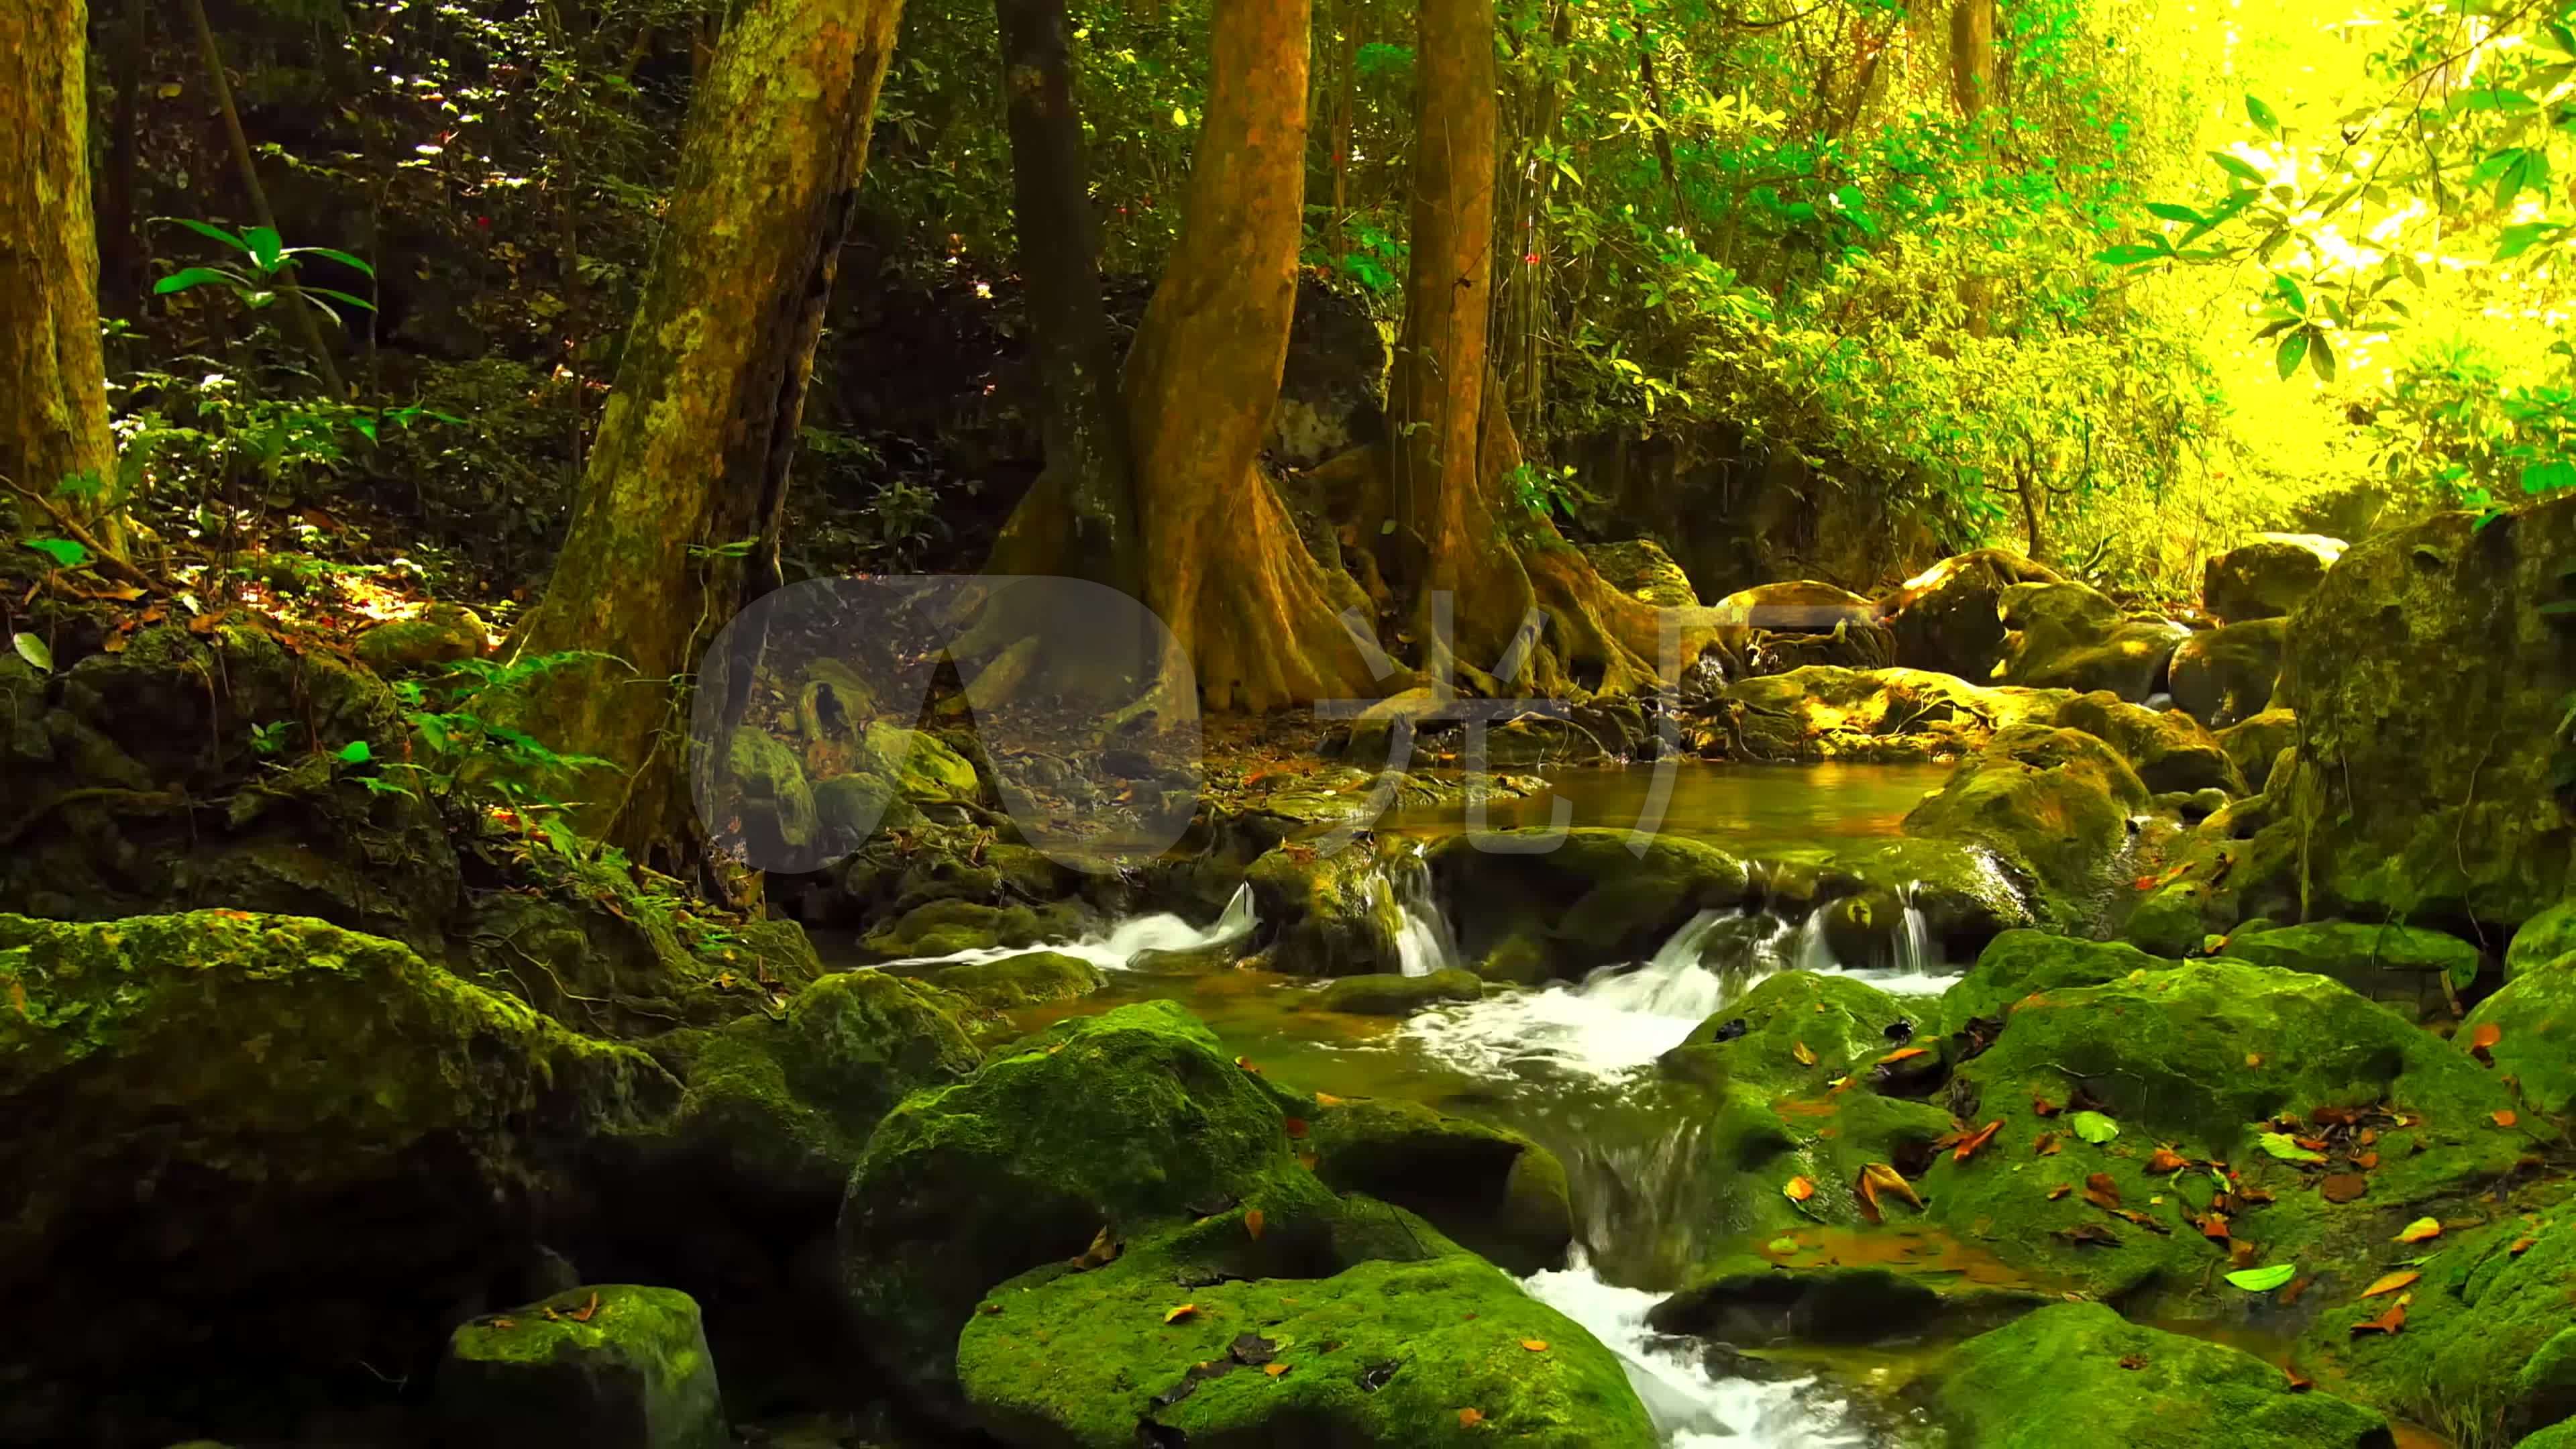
<point>1388,994</point>
<point>1129,1121</point>
<point>2267,578</point>
<point>1384,1336</point>
<point>279,1146</point>
<point>617,1365</point>
<point>1030,978</point>
<point>2418,971</point>
<point>2430,675</point>
<point>1799,606</point>
<point>2080,1373</point>
<point>1490,1188</point>
<point>1824,712</point>
<point>1949,617</point>
<point>2534,1022</point>
<point>2230,673</point>
<point>1641,567</point>
<point>439,634</point>
<point>2542,939</point>
<point>2170,750</point>
<point>1330,914</point>
<point>1529,910</point>
<point>2068,636</point>
<point>2254,743</point>
<point>2238,865</point>
<point>2054,802</point>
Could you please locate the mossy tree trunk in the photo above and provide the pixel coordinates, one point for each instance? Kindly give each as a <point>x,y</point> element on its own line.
<point>693,450</point>
<point>53,379</point>
<point>1248,605</point>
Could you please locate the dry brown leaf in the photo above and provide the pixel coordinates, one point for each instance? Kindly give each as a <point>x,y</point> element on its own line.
<point>2505,1118</point>
<point>1274,1369</point>
<point>1879,1177</point>
<point>2343,1187</point>
<point>2165,1159</point>
<point>1470,1418</point>
<point>1296,1126</point>
<point>1902,1054</point>
<point>1535,1345</point>
<point>1186,1310</point>
<point>2390,1282</point>
<point>505,1323</point>
<point>2101,1191</point>
<point>2042,1107</point>
<point>2420,1231</point>
<point>1799,1189</point>
<point>1327,1099</point>
<point>2061,1190</point>
<point>1799,1050</point>
<point>2486,1035</point>
<point>585,1312</point>
<point>2521,1246</point>
<point>1968,1146</point>
<point>2047,1145</point>
<point>1252,1221</point>
<point>2389,1322</point>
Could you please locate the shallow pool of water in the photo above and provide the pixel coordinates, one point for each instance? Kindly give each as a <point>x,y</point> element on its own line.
<point>1732,805</point>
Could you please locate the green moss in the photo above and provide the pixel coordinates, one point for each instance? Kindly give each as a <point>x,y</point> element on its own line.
<point>441,634</point>
<point>1391,995</point>
<point>1023,980</point>
<point>631,1369</point>
<point>2535,1016</point>
<point>1380,1352</point>
<point>1129,1120</point>
<point>1330,914</point>
<point>2018,964</point>
<point>2404,966</point>
<point>2168,748</point>
<point>1594,897</point>
<point>2077,1373</point>
<point>2542,939</point>
<point>2256,742</point>
<point>2230,673</point>
<point>922,768</point>
<point>1492,1189</point>
<point>2561,1435</point>
<point>2488,1350</point>
<point>773,792</point>
<point>946,927</point>
<point>2056,802</point>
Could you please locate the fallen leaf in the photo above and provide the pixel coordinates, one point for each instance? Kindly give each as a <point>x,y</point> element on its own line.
<point>1902,1054</point>
<point>2093,1127</point>
<point>2390,1283</point>
<point>2133,1361</point>
<point>1186,1310</point>
<point>505,1323</point>
<point>1103,1251</point>
<point>1799,1050</point>
<point>2521,1246</point>
<point>2047,1145</point>
<point>2090,1235</point>
<point>2241,1254</point>
<point>2366,1161</point>
<point>2213,1226</point>
<point>2343,1187</point>
<point>2101,1191</point>
<point>2505,1118</point>
<point>1327,1099</point>
<point>1535,1345</point>
<point>1296,1126</point>
<point>1470,1418</point>
<point>2299,1382</point>
<point>2264,1279</point>
<point>2285,1147</point>
<point>18,998</point>
<point>2486,1035</point>
<point>2165,1159</point>
<point>1274,1369</point>
<point>1799,1189</point>
<point>2059,1191</point>
<point>2421,1230</point>
<point>2042,1107</point>
<point>585,1312</point>
<point>2253,1059</point>
<point>1252,1221</point>
<point>1968,1146</point>
<point>2389,1322</point>
<point>1249,1065</point>
<point>1878,1177</point>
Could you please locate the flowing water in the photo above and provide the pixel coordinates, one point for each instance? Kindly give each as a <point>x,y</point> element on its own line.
<point>1571,1066</point>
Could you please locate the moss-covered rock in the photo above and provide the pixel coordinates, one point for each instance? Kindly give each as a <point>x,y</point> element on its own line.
<point>2488,1346</point>
<point>769,797</point>
<point>2535,1017</point>
<point>783,1106</point>
<point>615,1364</point>
<point>2405,966</point>
<point>1800,606</point>
<point>2268,578</point>
<point>1129,1120</point>
<point>2239,864</point>
<point>2079,1373</point>
<point>1597,896</point>
<point>1640,566</point>
<point>1949,617</point>
<point>2055,802</point>
<point>1823,712</point>
<point>2068,636</point>
<point>278,1143</point>
<point>439,634</point>
<point>2561,1435</point>
<point>1778,1300</point>
<point>1027,979</point>
<point>1490,1188</point>
<point>2256,741</point>
<point>1196,1336</point>
<point>850,807</point>
<point>947,927</point>
<point>2168,748</point>
<point>923,769</point>
<point>2429,801</point>
<point>2020,964</point>
<point>1329,914</point>
<point>2230,673</point>
<point>2542,939</point>
<point>1386,994</point>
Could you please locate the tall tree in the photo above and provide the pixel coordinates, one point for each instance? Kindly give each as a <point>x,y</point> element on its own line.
<point>53,402</point>
<point>1231,577</point>
<point>694,447</point>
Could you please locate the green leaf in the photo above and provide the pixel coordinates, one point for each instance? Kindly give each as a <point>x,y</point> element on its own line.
<point>265,246</point>
<point>215,232</point>
<point>2293,351</point>
<point>334,255</point>
<point>2092,1126</point>
<point>2265,1278</point>
<point>2285,1147</point>
<point>186,277</point>
<point>2130,254</point>
<point>2262,115</point>
<point>1782,1246</point>
<point>65,553</point>
<point>2321,356</point>
<point>33,650</point>
<point>2172,211</point>
<point>2513,241</point>
<point>2237,166</point>
<point>2548,477</point>
<point>338,296</point>
<point>356,752</point>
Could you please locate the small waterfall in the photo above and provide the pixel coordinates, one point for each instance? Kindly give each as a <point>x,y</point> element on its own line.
<point>1691,1408</point>
<point>1123,942</point>
<point>1673,982</point>
<point>1423,944</point>
<point>1914,941</point>
<point>1812,951</point>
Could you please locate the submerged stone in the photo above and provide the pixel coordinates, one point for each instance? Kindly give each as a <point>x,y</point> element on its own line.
<point>610,1365</point>
<point>1027,979</point>
<point>2077,1373</point>
<point>1386,994</point>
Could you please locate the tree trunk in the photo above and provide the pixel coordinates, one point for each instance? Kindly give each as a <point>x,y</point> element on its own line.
<point>1247,604</point>
<point>693,449</point>
<point>1972,54</point>
<point>53,404</point>
<point>1081,418</point>
<point>120,242</point>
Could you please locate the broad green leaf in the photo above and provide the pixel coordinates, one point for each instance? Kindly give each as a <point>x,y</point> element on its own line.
<point>2548,477</point>
<point>2262,115</point>
<point>2285,1147</point>
<point>2514,240</point>
<point>2129,254</point>
<point>265,246</point>
<point>215,232</point>
<point>338,296</point>
<point>64,552</point>
<point>334,255</point>
<point>2092,1126</point>
<point>2172,211</point>
<point>356,752</point>
<point>33,650</point>
<point>186,277</point>
<point>2265,1278</point>
<point>2237,166</point>
<point>2293,351</point>
<point>2321,356</point>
